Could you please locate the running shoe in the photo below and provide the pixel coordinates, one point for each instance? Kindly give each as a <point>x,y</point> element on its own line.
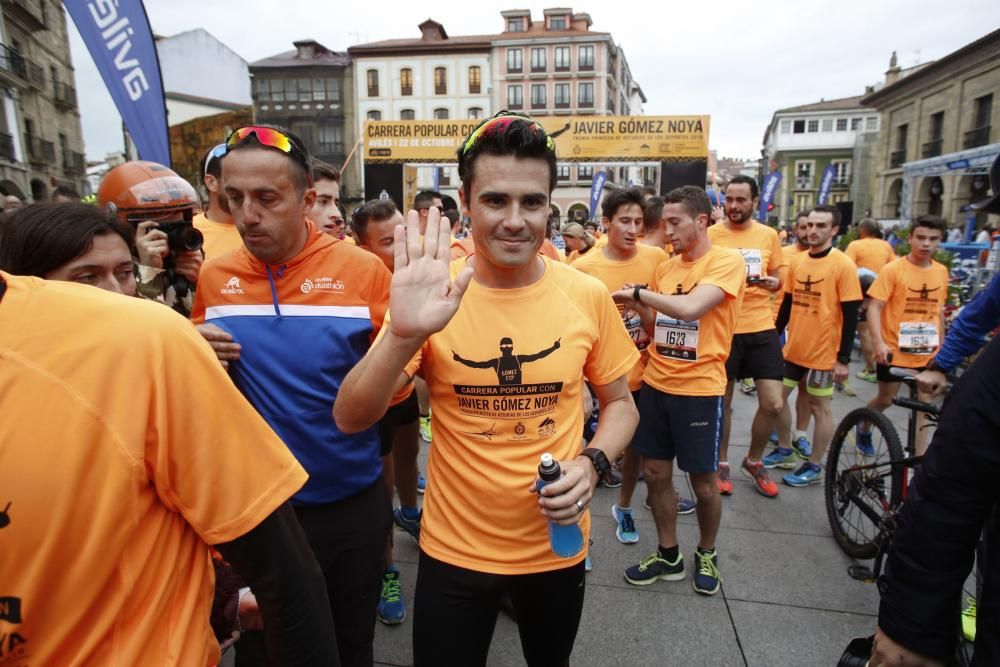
<point>761,481</point>
<point>612,479</point>
<point>626,532</point>
<point>391,610</point>
<point>655,568</point>
<point>425,428</point>
<point>706,579</point>
<point>747,386</point>
<point>803,447</point>
<point>969,620</point>
<point>411,526</point>
<point>723,482</point>
<point>845,388</point>
<point>867,375</point>
<point>685,505</point>
<point>863,440</point>
<point>808,473</point>
<point>781,458</point>
<point>421,483</point>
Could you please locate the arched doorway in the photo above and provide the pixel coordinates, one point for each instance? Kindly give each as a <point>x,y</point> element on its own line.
<point>578,213</point>
<point>39,191</point>
<point>9,187</point>
<point>893,200</point>
<point>555,214</point>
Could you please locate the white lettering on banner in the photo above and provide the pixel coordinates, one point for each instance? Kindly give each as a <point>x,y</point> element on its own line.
<point>115,32</point>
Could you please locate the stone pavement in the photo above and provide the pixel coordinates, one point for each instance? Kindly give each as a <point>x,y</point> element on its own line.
<point>786,597</point>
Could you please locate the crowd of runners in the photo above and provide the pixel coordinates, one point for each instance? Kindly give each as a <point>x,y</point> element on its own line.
<point>337,343</point>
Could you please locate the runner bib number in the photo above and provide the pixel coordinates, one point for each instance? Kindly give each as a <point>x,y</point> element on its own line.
<point>918,337</point>
<point>754,262</point>
<point>676,339</point>
<point>633,324</point>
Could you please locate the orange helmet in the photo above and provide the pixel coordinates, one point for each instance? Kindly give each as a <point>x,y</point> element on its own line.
<point>137,191</point>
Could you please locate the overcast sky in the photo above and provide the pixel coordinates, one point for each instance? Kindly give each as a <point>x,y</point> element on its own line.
<point>738,61</point>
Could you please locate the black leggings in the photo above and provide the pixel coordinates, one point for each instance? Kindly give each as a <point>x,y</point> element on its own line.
<point>455,611</point>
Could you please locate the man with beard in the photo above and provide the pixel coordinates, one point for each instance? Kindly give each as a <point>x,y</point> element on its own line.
<point>820,307</point>
<point>216,223</point>
<point>756,348</point>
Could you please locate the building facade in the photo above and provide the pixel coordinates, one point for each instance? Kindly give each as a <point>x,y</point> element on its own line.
<point>194,90</point>
<point>41,140</point>
<point>940,133</point>
<point>558,66</point>
<point>310,90</point>
<point>802,141</point>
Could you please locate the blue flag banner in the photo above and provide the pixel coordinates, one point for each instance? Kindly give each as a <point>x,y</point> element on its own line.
<point>120,41</point>
<point>596,190</point>
<point>826,183</point>
<point>771,182</point>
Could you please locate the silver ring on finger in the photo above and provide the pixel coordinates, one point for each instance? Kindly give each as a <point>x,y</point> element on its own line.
<point>579,507</point>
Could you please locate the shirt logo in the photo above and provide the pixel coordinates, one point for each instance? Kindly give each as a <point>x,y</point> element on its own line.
<point>322,284</point>
<point>233,286</point>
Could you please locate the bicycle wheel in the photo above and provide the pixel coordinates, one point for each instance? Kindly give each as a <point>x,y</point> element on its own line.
<point>858,499</point>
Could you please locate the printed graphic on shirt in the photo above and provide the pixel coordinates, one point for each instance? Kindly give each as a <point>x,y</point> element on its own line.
<point>633,324</point>
<point>322,284</point>
<point>804,296</point>
<point>509,398</point>
<point>755,262</point>
<point>233,286</point>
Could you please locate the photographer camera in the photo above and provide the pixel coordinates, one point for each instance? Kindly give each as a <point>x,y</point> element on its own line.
<point>160,206</point>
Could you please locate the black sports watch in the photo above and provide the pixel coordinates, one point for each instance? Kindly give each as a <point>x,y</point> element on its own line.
<point>599,459</point>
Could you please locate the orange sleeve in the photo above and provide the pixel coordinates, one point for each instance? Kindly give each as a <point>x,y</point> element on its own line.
<point>225,471</point>
<point>848,284</point>
<point>884,284</point>
<point>198,306</point>
<point>852,251</point>
<point>613,354</point>
<point>728,273</point>
<point>378,296</point>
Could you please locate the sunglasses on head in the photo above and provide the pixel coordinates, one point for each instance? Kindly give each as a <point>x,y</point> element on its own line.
<point>272,138</point>
<point>498,124</point>
<point>215,154</point>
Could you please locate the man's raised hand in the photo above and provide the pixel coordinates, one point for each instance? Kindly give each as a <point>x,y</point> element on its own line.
<point>423,297</point>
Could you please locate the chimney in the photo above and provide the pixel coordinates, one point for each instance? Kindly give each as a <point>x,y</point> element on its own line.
<point>892,74</point>
<point>432,31</point>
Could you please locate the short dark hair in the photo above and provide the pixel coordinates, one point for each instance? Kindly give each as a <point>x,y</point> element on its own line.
<point>653,214</point>
<point>801,214</point>
<point>453,216</point>
<point>65,191</point>
<point>615,199</point>
<point>425,199</point>
<point>870,227</point>
<point>507,134</point>
<point>747,180</point>
<point>931,222</point>
<point>374,210</point>
<point>694,200</point>
<point>832,210</point>
<point>649,191</point>
<point>301,174</point>
<point>323,171</point>
<point>448,203</point>
<point>41,238</point>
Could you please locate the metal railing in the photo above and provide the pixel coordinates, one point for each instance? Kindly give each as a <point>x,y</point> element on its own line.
<point>931,148</point>
<point>65,95</point>
<point>897,158</point>
<point>38,149</point>
<point>7,147</point>
<point>73,161</point>
<point>13,62</point>
<point>977,137</point>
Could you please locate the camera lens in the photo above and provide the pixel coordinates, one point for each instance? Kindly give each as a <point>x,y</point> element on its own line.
<point>857,652</point>
<point>191,239</point>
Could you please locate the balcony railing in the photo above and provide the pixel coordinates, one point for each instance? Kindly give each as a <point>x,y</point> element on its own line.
<point>931,149</point>
<point>13,62</point>
<point>65,95</point>
<point>977,137</point>
<point>30,13</point>
<point>73,161</point>
<point>515,105</point>
<point>39,150</point>
<point>897,158</point>
<point>36,75</point>
<point>7,147</point>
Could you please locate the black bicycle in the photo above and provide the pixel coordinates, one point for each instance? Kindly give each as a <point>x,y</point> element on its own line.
<point>866,479</point>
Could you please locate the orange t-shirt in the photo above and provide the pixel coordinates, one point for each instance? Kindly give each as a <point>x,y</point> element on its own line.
<point>872,254</point>
<point>911,317</point>
<point>818,286</point>
<point>506,379</point>
<point>127,450</point>
<point>220,237</point>
<point>640,270</point>
<point>761,251</point>
<point>689,358</point>
<point>788,252</point>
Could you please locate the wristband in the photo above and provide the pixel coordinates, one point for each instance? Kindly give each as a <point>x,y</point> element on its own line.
<point>635,293</point>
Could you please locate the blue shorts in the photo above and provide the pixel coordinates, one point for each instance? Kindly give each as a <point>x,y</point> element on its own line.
<point>687,428</point>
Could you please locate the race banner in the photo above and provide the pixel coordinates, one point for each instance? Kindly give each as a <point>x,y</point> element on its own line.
<point>771,182</point>
<point>577,138</point>
<point>596,190</point>
<point>825,183</point>
<point>120,41</point>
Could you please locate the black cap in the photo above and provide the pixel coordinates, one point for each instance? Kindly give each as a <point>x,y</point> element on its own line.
<point>991,205</point>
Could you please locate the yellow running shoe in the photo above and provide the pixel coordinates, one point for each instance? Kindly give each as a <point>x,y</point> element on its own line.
<point>969,620</point>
